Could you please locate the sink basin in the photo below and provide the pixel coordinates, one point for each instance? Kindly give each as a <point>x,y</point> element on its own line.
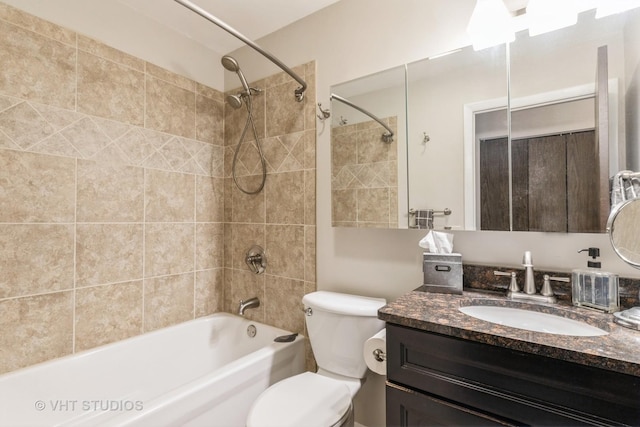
<point>532,320</point>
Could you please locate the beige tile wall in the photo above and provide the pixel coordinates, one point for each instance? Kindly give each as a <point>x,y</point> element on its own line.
<point>281,218</point>
<point>364,173</point>
<point>117,211</point>
<point>111,194</point>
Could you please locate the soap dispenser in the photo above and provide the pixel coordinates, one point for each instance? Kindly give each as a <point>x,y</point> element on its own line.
<point>594,288</point>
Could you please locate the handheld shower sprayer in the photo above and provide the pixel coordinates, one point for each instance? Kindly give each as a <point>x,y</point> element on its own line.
<point>236,101</point>
<point>232,65</point>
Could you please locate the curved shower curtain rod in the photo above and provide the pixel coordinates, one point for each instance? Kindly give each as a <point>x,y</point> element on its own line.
<point>299,92</point>
<point>386,137</point>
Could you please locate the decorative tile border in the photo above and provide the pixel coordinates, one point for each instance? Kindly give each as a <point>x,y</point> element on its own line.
<point>39,128</point>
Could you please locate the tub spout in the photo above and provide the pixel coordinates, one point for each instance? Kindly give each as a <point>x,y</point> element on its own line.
<point>250,303</point>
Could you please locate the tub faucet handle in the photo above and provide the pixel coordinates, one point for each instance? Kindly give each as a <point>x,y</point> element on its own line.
<point>256,259</point>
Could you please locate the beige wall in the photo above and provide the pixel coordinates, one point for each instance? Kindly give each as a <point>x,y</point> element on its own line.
<point>117,213</point>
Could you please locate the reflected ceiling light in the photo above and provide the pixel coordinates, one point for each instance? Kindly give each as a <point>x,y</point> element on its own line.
<point>490,24</point>
<point>550,15</point>
<point>611,7</point>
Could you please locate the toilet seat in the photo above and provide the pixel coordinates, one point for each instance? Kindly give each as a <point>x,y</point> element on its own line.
<point>306,399</point>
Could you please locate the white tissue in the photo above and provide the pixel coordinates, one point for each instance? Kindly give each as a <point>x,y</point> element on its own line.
<point>437,242</point>
<point>376,342</point>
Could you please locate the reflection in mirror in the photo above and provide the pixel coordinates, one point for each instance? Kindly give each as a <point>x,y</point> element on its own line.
<point>543,167</point>
<point>441,92</point>
<point>567,137</point>
<point>367,164</point>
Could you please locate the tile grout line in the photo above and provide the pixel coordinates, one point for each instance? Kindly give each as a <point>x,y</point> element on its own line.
<point>75,258</point>
<point>98,285</point>
<point>76,72</point>
<point>195,242</point>
<point>144,247</point>
<point>144,98</point>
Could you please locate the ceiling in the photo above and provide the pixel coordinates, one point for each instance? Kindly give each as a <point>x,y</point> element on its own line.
<point>252,18</point>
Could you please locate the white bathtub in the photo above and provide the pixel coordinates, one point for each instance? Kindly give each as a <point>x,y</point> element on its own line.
<point>205,372</point>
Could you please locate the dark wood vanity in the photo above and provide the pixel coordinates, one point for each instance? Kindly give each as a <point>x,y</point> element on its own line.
<point>447,368</point>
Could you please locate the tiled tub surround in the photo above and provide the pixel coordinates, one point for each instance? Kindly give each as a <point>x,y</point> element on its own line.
<point>364,175</point>
<point>112,199</point>
<point>618,351</point>
<point>111,188</point>
<point>281,218</point>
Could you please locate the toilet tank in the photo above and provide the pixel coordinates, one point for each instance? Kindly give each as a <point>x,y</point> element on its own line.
<point>338,325</point>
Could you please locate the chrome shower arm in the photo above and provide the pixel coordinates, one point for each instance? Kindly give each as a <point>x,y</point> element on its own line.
<point>299,92</point>
<point>386,137</point>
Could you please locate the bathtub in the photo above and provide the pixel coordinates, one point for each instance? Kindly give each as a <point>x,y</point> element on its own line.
<point>205,372</point>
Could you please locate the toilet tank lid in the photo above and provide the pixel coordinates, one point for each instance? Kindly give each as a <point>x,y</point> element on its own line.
<point>334,302</point>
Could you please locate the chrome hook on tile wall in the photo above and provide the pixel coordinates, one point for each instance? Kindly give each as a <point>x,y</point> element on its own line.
<point>324,113</point>
<point>256,259</point>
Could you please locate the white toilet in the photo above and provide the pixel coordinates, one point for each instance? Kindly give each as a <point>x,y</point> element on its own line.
<point>338,325</point>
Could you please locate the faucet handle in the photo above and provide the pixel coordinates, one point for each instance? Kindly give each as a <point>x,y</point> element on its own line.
<point>546,284</point>
<point>513,286</point>
<point>256,259</point>
<point>546,287</point>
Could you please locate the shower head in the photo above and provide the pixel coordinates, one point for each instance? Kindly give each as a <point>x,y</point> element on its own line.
<point>235,101</point>
<point>232,65</point>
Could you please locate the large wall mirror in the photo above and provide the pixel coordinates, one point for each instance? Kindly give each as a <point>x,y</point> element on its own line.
<point>532,152</point>
<point>368,151</point>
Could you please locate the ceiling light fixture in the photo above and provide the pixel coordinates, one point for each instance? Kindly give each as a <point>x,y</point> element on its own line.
<point>490,24</point>
<point>550,15</point>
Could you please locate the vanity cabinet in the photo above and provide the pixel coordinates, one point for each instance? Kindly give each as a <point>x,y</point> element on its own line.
<point>435,379</point>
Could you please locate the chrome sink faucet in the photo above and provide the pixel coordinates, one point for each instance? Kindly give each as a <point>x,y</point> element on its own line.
<point>250,303</point>
<point>529,291</point>
<point>529,281</point>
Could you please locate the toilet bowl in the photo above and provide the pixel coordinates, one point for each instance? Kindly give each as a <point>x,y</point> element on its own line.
<point>338,325</point>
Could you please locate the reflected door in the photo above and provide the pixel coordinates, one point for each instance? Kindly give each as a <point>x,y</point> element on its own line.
<point>554,188</point>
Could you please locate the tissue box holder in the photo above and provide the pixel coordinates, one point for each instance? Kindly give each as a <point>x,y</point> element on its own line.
<point>442,273</point>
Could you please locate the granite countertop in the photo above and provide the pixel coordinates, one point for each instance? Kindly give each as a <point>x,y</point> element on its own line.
<point>618,351</point>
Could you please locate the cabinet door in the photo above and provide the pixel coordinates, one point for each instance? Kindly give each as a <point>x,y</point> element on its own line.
<point>510,384</point>
<point>406,408</point>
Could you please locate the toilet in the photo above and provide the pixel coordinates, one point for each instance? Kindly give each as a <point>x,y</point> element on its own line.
<point>338,326</point>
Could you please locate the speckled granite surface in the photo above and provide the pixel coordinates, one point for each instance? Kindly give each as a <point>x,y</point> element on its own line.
<point>481,277</point>
<point>618,351</point>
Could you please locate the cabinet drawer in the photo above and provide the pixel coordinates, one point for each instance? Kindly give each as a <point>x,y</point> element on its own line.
<point>408,408</point>
<point>515,385</point>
